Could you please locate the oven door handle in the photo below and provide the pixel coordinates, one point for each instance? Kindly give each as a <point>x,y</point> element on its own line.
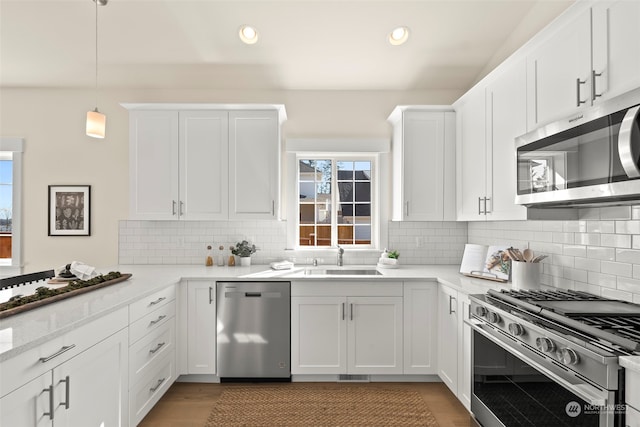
<point>586,392</point>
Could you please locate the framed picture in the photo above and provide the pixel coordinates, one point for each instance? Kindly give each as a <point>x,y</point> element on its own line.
<point>69,210</point>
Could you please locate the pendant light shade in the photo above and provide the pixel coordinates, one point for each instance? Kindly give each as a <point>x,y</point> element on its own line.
<point>96,121</point>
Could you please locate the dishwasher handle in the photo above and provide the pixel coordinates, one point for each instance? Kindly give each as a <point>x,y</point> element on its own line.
<point>253,294</point>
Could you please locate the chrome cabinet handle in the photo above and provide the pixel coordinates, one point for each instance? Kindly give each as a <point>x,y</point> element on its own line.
<point>273,208</point>
<point>173,209</point>
<point>351,310</point>
<point>625,140</point>
<point>157,386</point>
<point>406,209</point>
<point>158,301</point>
<point>181,208</point>
<point>210,295</point>
<point>594,93</point>
<point>153,322</point>
<point>343,310</point>
<point>487,211</point>
<point>66,392</point>
<point>451,310</point>
<point>479,208</point>
<point>57,353</point>
<point>50,391</point>
<point>158,347</point>
<point>578,83</point>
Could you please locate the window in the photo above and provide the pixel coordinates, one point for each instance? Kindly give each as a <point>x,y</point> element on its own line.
<point>10,201</point>
<point>335,202</point>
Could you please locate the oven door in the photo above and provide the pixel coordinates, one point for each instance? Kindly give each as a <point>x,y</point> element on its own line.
<point>513,385</point>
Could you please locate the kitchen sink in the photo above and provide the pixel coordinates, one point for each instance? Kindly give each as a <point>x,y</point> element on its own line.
<point>344,272</point>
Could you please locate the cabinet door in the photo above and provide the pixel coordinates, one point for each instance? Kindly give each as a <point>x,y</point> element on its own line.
<point>471,156</point>
<point>423,166</point>
<point>27,405</point>
<point>204,165</point>
<point>91,389</point>
<point>254,164</point>
<point>616,47</point>
<point>464,354</point>
<point>375,335</point>
<point>420,327</point>
<point>447,341</point>
<point>318,335</point>
<point>153,157</point>
<point>506,120</point>
<point>554,68</point>
<point>201,320</point>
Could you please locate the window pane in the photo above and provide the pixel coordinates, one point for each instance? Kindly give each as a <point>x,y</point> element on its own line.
<point>345,171</point>
<point>307,235</point>
<point>345,234</point>
<point>346,191</point>
<point>363,210</point>
<point>307,191</point>
<point>363,171</point>
<point>362,234</point>
<point>307,214</point>
<point>363,191</point>
<point>323,237</point>
<point>323,213</point>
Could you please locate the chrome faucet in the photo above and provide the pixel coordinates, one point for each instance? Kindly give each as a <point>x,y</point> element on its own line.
<point>340,253</point>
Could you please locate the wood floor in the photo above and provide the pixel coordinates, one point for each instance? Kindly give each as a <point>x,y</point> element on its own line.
<point>189,404</point>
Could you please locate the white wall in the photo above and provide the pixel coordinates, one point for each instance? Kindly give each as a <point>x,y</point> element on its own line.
<point>58,152</point>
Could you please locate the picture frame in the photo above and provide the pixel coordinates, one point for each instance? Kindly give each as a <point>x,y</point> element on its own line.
<point>69,210</point>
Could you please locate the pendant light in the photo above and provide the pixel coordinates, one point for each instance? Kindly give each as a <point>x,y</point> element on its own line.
<point>96,121</point>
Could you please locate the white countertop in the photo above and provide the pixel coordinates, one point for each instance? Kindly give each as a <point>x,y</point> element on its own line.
<point>21,332</point>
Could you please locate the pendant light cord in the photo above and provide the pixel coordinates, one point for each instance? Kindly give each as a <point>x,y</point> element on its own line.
<point>96,87</point>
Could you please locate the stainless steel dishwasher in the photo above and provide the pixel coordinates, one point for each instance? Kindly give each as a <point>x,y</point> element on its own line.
<point>254,331</point>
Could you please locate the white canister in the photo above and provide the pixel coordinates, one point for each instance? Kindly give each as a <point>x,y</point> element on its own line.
<point>525,275</point>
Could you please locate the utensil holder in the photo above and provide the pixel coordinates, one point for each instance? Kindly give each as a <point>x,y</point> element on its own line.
<point>525,275</point>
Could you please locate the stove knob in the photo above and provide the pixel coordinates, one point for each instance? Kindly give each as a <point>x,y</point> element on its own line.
<point>568,356</point>
<point>545,344</point>
<point>516,329</point>
<point>480,311</point>
<point>493,317</point>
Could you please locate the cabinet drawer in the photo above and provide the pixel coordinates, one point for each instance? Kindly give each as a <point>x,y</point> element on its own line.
<point>140,328</point>
<point>146,305</point>
<point>147,393</point>
<point>32,363</point>
<point>145,354</point>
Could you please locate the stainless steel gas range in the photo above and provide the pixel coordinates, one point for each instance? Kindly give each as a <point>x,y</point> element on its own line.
<point>550,358</point>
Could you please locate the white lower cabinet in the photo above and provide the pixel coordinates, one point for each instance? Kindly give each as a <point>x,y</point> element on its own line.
<point>201,323</point>
<point>152,351</point>
<point>420,327</point>
<point>346,334</point>
<point>85,389</point>
<point>454,343</point>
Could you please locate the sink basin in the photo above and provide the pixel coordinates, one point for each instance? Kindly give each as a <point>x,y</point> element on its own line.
<point>344,272</point>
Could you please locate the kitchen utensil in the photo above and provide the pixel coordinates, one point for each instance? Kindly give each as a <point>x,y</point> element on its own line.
<point>539,258</point>
<point>519,255</point>
<point>528,255</point>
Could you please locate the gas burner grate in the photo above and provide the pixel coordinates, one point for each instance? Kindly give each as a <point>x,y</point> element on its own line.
<point>551,295</point>
<point>628,327</point>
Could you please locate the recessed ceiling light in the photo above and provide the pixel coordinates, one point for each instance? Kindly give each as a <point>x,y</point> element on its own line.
<point>248,34</point>
<point>398,36</point>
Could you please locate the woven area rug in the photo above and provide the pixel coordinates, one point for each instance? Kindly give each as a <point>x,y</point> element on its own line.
<point>332,404</point>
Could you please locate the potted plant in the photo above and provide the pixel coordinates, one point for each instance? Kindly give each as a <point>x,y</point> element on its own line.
<point>244,250</point>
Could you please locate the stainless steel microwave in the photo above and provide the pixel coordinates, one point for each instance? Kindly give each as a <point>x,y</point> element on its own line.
<point>590,159</point>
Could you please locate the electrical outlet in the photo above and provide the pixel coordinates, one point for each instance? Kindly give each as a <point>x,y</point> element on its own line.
<point>419,241</point>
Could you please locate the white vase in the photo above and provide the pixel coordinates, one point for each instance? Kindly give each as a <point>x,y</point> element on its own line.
<point>245,261</point>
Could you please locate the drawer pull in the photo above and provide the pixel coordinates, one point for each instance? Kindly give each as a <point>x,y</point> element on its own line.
<point>50,391</point>
<point>158,301</point>
<point>57,353</point>
<point>158,347</point>
<point>66,392</point>
<point>157,386</point>
<point>153,322</point>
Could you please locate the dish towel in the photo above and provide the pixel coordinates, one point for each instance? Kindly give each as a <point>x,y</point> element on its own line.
<point>281,265</point>
<point>81,270</point>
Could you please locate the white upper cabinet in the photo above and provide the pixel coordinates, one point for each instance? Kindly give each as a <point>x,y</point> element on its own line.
<point>204,164</point>
<point>471,157</point>
<point>506,119</point>
<point>204,192</point>
<point>591,54</point>
<point>153,154</point>
<point>616,47</point>
<point>423,164</point>
<point>254,164</point>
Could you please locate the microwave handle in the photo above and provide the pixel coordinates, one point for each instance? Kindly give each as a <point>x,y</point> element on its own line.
<point>625,140</point>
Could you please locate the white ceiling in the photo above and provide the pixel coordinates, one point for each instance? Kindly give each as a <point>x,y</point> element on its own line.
<point>304,44</point>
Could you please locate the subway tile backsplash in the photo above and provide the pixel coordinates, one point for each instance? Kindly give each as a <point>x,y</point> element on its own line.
<point>185,242</point>
<point>599,253</point>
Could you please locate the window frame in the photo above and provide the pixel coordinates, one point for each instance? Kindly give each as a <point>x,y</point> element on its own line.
<point>335,158</point>
<point>377,148</point>
<point>14,146</point>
